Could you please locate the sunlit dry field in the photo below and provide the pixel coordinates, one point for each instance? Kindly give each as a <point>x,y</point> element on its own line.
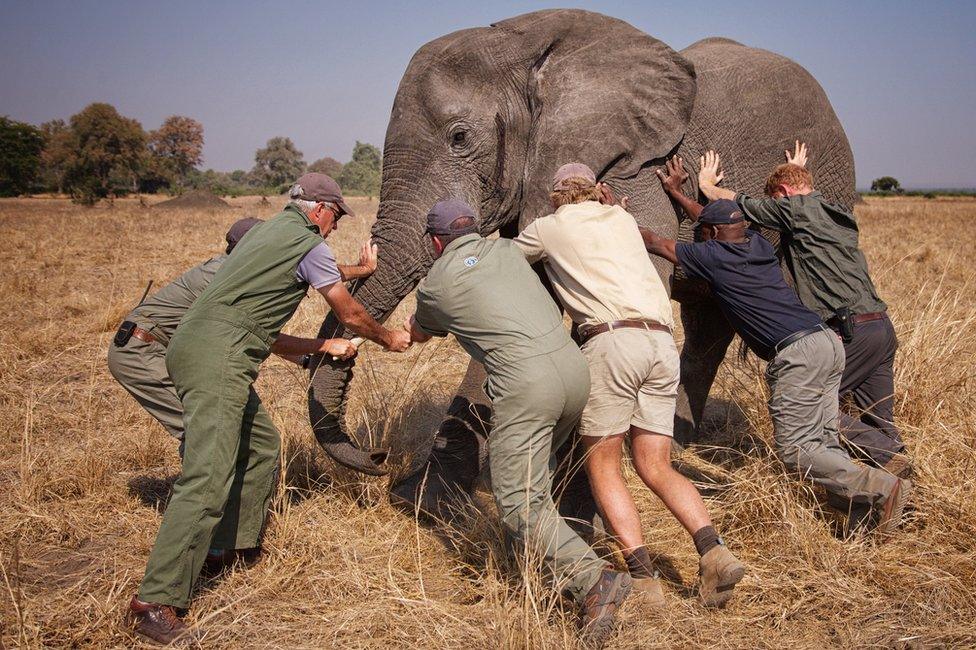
<point>84,472</point>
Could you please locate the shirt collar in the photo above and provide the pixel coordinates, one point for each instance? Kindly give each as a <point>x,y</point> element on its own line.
<point>308,222</point>
<point>461,241</point>
<point>582,204</point>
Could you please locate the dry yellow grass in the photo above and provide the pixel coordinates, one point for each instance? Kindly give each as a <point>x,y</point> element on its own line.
<point>82,469</point>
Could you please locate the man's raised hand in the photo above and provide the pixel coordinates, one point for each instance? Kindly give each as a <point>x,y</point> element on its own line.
<point>367,256</point>
<point>675,176</point>
<point>710,169</point>
<point>799,155</point>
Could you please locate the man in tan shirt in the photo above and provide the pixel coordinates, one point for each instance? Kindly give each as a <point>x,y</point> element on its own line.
<point>595,257</point>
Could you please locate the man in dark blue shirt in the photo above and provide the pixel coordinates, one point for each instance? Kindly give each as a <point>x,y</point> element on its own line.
<point>806,359</point>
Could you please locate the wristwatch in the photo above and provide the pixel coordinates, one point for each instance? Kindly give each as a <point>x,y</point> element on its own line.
<point>305,360</point>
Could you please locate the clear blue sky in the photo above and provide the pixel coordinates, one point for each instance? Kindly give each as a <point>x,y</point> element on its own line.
<point>901,75</point>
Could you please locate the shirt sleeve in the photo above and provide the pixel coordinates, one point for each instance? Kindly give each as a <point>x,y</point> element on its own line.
<point>530,243</point>
<point>694,259</point>
<point>426,316</point>
<point>318,268</point>
<point>770,213</point>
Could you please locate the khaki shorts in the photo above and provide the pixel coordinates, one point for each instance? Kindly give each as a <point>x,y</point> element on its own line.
<point>633,382</point>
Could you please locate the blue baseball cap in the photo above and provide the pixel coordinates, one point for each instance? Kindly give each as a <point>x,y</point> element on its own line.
<point>720,212</point>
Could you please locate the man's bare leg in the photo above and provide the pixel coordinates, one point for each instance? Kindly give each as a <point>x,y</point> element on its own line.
<point>613,499</point>
<point>652,460</point>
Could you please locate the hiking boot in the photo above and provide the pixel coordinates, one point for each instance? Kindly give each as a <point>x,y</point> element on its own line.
<point>600,606</point>
<point>893,508</point>
<point>219,560</point>
<point>719,571</point>
<point>160,623</point>
<point>899,465</point>
<point>650,589</point>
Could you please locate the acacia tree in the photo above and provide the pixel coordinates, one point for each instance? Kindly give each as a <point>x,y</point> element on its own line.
<point>20,156</point>
<point>107,153</point>
<point>364,172</point>
<point>176,148</point>
<point>885,184</point>
<point>329,166</point>
<point>278,164</point>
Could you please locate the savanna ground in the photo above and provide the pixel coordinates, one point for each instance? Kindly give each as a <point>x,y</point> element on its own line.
<point>84,472</point>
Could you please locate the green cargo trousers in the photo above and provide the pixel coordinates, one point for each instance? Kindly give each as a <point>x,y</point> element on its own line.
<point>537,402</point>
<point>140,368</point>
<point>230,461</point>
<point>803,381</point>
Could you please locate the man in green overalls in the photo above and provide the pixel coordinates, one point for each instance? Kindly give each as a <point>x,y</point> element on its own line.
<point>484,293</point>
<point>230,461</point>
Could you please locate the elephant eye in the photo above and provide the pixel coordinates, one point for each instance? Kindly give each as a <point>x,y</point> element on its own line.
<point>458,138</point>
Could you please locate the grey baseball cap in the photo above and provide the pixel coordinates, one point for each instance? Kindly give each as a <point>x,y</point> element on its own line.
<point>320,188</point>
<point>572,170</point>
<point>446,212</point>
<point>238,230</point>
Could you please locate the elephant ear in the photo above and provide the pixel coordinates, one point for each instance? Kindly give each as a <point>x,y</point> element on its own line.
<point>600,92</point>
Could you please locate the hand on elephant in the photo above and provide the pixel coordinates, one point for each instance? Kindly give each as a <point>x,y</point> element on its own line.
<point>799,155</point>
<point>343,349</point>
<point>710,169</point>
<point>367,257</point>
<point>607,197</point>
<point>397,341</point>
<point>675,176</point>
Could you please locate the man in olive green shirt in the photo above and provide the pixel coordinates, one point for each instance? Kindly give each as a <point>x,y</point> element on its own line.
<point>484,293</point>
<point>820,242</point>
<point>230,464</point>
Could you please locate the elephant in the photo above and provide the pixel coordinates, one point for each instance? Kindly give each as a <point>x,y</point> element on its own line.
<point>488,114</point>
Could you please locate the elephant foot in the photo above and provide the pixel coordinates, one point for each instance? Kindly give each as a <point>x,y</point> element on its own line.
<point>430,493</point>
<point>371,460</point>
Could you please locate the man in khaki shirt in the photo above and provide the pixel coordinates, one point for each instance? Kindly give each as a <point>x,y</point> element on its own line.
<point>595,257</point>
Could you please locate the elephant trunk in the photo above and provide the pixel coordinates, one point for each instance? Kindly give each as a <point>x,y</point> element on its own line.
<point>402,262</point>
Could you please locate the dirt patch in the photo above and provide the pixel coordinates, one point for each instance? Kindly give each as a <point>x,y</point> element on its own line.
<point>195,200</point>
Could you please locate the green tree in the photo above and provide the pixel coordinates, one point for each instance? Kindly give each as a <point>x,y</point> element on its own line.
<point>20,156</point>
<point>177,147</point>
<point>329,166</point>
<point>885,184</point>
<point>56,155</point>
<point>108,152</point>
<point>277,165</point>
<point>364,172</point>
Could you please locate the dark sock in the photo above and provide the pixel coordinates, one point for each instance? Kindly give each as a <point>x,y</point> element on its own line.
<point>706,539</point>
<point>639,563</point>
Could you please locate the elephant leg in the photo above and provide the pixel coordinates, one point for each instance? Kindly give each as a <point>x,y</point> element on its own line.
<point>457,457</point>
<point>707,337</point>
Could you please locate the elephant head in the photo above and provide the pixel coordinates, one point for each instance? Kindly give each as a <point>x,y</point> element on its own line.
<point>487,115</point>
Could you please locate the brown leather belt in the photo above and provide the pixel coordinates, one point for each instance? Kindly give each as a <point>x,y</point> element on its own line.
<point>586,333</point>
<point>867,318</point>
<point>143,335</point>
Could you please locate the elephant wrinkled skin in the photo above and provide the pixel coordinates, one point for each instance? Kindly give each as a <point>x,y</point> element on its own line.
<point>488,114</point>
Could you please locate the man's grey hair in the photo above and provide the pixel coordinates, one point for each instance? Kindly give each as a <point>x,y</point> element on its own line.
<point>295,193</point>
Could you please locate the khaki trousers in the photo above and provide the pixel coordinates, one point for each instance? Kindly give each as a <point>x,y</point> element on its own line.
<point>140,368</point>
<point>803,382</point>
<point>537,403</point>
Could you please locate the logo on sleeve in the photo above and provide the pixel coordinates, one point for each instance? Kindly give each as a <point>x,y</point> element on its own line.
<point>470,261</point>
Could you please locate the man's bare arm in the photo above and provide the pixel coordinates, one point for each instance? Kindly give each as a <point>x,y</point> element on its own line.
<point>660,246</point>
<point>710,175</point>
<point>672,182</point>
<point>293,347</point>
<point>354,316</point>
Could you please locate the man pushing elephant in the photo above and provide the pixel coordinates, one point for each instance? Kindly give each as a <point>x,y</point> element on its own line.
<point>821,247</point>
<point>595,259</point>
<point>231,446</point>
<point>484,293</point>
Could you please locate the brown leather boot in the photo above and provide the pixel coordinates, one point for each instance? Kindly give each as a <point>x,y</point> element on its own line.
<point>893,508</point>
<point>651,591</point>
<point>600,607</point>
<point>217,563</point>
<point>160,623</point>
<point>719,571</point>
<point>900,465</point>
